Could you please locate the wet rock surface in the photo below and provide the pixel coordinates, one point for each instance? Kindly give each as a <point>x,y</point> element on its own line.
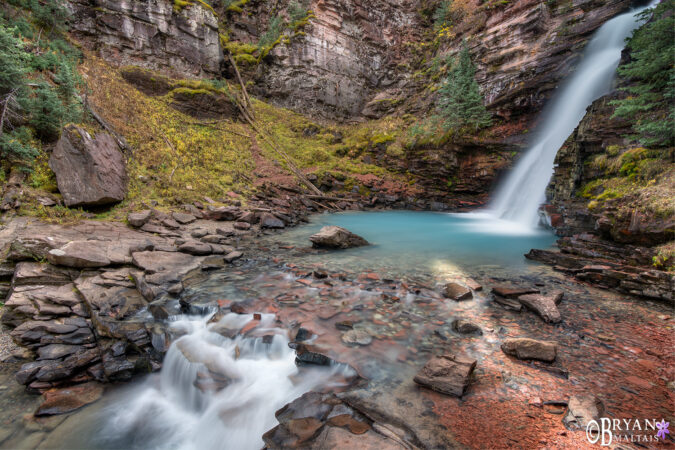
<point>544,306</point>
<point>402,313</point>
<point>62,401</point>
<point>336,238</point>
<point>447,374</point>
<point>525,348</point>
<point>597,269</point>
<point>581,410</point>
<point>456,291</point>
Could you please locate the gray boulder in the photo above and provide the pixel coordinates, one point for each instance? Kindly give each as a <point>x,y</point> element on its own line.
<point>268,220</point>
<point>543,305</point>
<point>89,171</point>
<point>138,219</point>
<point>336,237</point>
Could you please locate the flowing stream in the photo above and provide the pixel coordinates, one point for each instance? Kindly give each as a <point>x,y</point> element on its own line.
<point>519,196</point>
<point>225,374</point>
<point>213,391</point>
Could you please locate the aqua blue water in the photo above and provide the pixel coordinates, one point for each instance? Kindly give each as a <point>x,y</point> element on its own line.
<point>425,241</point>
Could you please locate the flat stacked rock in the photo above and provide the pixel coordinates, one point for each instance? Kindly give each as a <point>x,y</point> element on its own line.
<point>447,374</point>
<point>525,348</point>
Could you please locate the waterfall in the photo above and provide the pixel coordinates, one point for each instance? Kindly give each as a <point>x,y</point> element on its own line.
<point>519,196</point>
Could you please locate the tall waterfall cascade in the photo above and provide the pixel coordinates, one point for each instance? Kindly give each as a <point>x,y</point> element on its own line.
<point>518,198</point>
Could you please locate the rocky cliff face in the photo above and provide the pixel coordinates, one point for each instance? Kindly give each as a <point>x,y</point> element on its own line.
<point>354,58</point>
<point>350,52</point>
<point>596,188</point>
<point>151,34</point>
<point>595,133</point>
<point>525,49</point>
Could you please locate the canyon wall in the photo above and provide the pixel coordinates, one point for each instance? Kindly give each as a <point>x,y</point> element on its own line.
<point>354,58</point>
<point>526,49</point>
<point>350,51</point>
<point>361,60</point>
<point>150,34</point>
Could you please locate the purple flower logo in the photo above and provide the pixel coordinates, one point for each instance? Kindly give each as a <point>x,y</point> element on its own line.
<point>663,429</point>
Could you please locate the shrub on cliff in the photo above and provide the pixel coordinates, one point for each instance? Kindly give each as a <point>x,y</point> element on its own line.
<point>441,15</point>
<point>652,74</point>
<point>460,103</point>
<point>297,12</point>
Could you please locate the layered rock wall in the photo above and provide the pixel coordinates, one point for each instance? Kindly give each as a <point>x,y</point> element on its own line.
<point>524,50</point>
<point>151,34</point>
<point>354,58</point>
<point>348,53</point>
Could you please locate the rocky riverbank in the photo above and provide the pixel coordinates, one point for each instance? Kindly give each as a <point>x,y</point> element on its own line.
<point>521,345</point>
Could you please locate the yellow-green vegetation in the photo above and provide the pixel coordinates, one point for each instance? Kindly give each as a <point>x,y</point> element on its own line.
<point>175,159</point>
<point>321,151</point>
<point>236,6</point>
<point>641,177</point>
<point>178,5</point>
<point>240,48</point>
<point>665,257</point>
<point>429,132</point>
<point>278,31</point>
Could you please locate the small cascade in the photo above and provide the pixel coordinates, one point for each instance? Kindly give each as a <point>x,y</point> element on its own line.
<point>214,391</point>
<point>519,196</point>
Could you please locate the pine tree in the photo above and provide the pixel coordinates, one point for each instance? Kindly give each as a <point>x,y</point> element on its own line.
<point>47,113</point>
<point>442,14</point>
<point>652,76</point>
<point>13,61</point>
<point>460,103</point>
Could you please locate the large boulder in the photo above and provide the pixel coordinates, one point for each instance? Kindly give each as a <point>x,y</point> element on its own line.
<point>336,237</point>
<point>89,171</point>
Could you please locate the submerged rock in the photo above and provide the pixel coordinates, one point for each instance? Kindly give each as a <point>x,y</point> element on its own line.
<point>511,292</point>
<point>62,401</point>
<point>357,337</point>
<point>336,237</point>
<point>447,374</point>
<point>465,327</point>
<point>581,410</point>
<point>457,292</point>
<point>525,348</point>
